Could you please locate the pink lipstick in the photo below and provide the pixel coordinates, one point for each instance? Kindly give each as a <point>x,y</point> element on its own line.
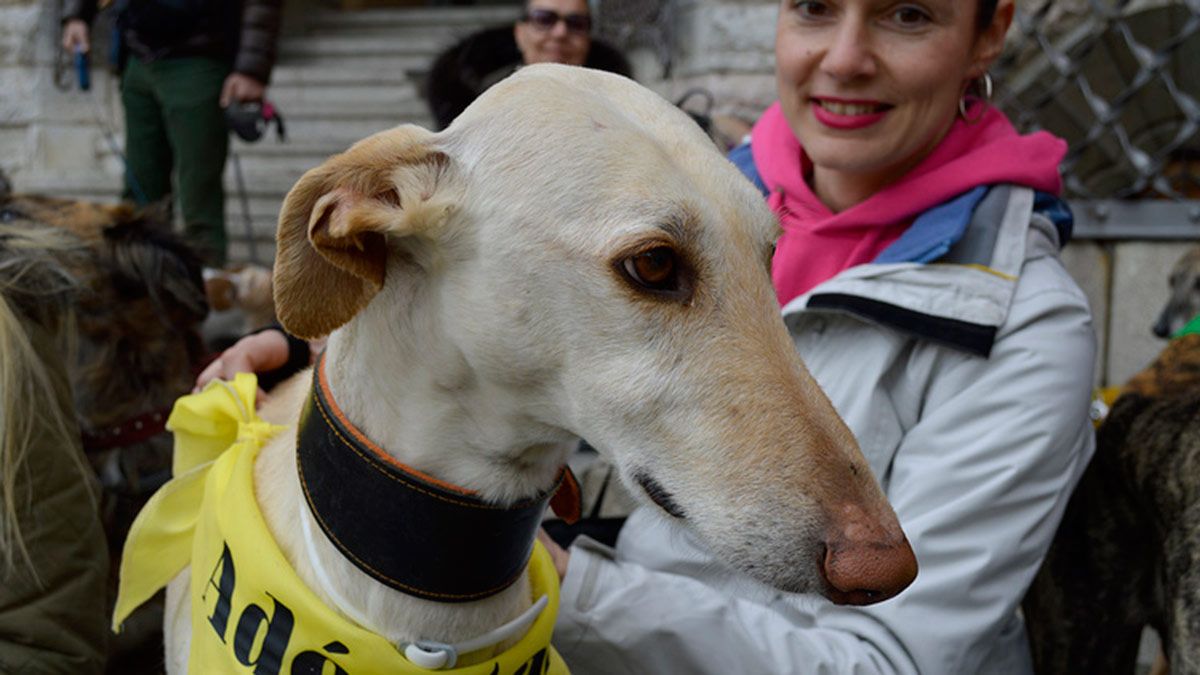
<point>848,114</point>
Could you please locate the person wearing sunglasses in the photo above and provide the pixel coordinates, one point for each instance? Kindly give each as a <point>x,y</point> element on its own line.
<point>548,31</point>
<point>554,31</point>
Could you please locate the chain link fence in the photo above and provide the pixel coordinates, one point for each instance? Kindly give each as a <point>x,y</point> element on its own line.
<point>1119,80</point>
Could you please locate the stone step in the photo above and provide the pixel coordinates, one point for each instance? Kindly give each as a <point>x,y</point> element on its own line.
<point>89,185</point>
<point>287,157</point>
<point>344,133</point>
<point>269,147</point>
<point>262,206</point>
<point>318,108</point>
<point>263,228</point>
<point>263,180</point>
<point>106,187</point>
<point>426,43</point>
<point>287,97</point>
<point>270,184</point>
<point>406,64</point>
<point>307,73</point>
<point>240,251</point>
<point>286,167</point>
<point>389,20</point>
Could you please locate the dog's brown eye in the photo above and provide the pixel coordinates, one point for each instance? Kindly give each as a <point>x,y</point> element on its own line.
<point>655,269</point>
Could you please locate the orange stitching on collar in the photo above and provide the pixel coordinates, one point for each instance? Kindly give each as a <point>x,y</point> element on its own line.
<point>362,438</point>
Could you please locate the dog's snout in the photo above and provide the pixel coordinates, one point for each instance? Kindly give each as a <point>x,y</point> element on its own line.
<point>1162,327</point>
<point>866,560</point>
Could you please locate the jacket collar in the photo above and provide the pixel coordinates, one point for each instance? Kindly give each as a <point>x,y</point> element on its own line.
<point>406,529</point>
<point>961,295</point>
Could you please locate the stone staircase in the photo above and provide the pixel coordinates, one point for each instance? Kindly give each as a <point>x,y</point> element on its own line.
<point>341,75</point>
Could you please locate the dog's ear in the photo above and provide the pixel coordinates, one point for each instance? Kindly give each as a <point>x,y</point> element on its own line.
<point>334,229</point>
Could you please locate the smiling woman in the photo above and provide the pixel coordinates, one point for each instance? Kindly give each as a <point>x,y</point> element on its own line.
<point>918,274</point>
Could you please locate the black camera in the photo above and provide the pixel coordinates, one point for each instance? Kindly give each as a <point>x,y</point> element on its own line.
<point>250,120</point>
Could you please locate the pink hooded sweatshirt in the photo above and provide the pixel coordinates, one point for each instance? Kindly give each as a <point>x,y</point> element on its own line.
<point>817,243</point>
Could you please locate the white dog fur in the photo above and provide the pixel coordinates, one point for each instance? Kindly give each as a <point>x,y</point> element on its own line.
<point>477,286</point>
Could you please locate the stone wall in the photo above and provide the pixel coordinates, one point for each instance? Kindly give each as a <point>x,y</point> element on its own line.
<point>19,107</point>
<point>724,46</point>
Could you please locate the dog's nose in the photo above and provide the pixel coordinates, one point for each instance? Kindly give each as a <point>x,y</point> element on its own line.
<point>866,561</point>
<point>1162,327</point>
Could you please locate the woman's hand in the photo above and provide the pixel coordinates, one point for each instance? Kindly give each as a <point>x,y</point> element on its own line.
<point>260,352</point>
<point>75,36</point>
<point>557,553</point>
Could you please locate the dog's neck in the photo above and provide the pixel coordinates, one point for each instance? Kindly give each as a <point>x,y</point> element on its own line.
<point>411,390</point>
<point>378,511</point>
<point>401,402</point>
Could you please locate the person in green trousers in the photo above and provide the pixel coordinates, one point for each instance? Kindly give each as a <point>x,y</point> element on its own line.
<point>183,61</point>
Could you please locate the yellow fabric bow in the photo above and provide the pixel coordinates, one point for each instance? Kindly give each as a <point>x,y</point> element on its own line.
<point>206,425</point>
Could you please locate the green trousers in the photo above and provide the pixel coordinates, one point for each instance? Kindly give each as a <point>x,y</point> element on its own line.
<point>174,127</point>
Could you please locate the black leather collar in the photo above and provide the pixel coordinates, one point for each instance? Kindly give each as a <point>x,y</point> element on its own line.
<point>405,529</point>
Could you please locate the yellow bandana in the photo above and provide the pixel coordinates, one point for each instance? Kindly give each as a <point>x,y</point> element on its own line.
<point>250,612</point>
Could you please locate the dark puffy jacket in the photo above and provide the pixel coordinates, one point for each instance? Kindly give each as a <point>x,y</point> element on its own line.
<point>466,69</point>
<point>242,32</point>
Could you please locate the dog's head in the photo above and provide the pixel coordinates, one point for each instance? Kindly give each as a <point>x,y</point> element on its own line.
<point>1184,303</point>
<point>575,259</point>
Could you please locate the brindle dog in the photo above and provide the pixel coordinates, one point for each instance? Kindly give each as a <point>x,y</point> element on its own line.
<point>1127,554</point>
<point>136,300</point>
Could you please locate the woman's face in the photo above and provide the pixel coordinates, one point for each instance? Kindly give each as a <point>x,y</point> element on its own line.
<point>565,40</point>
<point>871,86</point>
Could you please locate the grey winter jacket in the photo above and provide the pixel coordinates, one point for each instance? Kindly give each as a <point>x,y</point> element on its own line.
<point>966,383</point>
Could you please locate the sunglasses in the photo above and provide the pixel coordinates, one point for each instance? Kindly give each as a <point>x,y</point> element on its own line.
<point>547,19</point>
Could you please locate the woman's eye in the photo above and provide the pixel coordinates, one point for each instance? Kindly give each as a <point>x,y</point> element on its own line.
<point>910,17</point>
<point>656,269</point>
<point>811,9</point>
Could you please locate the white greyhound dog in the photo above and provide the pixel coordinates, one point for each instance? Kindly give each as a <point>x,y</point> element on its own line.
<point>571,258</point>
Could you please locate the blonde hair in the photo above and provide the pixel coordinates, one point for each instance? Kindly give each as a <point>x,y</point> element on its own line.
<point>36,286</point>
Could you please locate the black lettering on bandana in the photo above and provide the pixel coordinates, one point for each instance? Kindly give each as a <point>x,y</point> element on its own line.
<point>313,663</point>
<point>274,645</point>
<point>538,665</point>
<point>224,588</point>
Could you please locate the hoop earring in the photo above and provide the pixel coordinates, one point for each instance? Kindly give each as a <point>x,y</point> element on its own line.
<point>985,83</point>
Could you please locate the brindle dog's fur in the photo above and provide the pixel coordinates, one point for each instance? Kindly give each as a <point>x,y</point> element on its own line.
<point>1127,554</point>
<point>137,299</point>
